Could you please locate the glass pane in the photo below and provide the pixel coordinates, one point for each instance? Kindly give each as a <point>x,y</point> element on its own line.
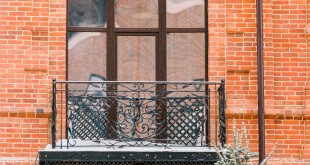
<point>136,14</point>
<point>136,58</point>
<point>86,56</point>
<point>185,13</point>
<point>185,56</point>
<point>87,13</point>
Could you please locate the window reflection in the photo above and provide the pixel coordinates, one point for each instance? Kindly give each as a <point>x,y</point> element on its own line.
<point>136,58</point>
<point>185,13</point>
<point>87,13</point>
<point>136,13</point>
<point>86,56</point>
<point>185,57</point>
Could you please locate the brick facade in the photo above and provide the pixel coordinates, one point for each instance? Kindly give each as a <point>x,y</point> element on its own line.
<point>33,51</point>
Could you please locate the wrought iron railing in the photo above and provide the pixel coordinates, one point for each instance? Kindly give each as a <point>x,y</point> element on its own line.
<point>114,113</point>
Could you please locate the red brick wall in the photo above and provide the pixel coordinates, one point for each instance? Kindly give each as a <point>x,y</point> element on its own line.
<point>22,135</point>
<point>286,74</point>
<point>290,55</point>
<point>32,52</point>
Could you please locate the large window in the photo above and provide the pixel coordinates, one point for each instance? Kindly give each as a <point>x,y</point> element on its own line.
<point>137,40</point>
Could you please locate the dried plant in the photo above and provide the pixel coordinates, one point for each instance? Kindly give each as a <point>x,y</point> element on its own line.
<point>238,154</point>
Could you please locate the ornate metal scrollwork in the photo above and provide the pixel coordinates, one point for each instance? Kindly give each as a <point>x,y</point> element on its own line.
<point>139,107</point>
<point>87,156</point>
<point>222,116</point>
<point>160,114</point>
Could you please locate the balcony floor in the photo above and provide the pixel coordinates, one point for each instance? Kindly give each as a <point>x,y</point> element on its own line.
<point>99,151</point>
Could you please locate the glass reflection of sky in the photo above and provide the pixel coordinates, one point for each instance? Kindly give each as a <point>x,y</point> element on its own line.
<point>176,6</point>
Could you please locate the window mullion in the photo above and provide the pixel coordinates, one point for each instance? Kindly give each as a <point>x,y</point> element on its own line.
<point>111,54</point>
<point>161,67</point>
<point>111,67</point>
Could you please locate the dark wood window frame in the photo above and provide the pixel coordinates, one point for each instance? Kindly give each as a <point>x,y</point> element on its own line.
<point>161,49</point>
<point>162,31</point>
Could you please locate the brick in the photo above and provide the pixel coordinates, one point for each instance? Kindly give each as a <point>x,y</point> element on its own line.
<point>33,36</point>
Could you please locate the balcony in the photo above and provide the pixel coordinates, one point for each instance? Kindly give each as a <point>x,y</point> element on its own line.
<point>106,122</point>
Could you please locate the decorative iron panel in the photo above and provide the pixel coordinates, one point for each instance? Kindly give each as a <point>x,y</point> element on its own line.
<point>185,120</point>
<point>87,118</point>
<point>159,114</point>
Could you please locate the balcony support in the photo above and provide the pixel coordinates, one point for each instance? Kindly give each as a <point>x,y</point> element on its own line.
<point>222,115</point>
<point>54,114</point>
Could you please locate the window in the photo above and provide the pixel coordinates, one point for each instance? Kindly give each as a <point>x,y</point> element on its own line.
<point>141,40</point>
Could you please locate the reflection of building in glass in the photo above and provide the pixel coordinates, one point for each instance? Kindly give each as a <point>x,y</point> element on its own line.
<point>184,50</point>
<point>136,14</point>
<point>185,57</point>
<point>86,55</point>
<point>144,13</point>
<point>87,12</point>
<point>185,13</point>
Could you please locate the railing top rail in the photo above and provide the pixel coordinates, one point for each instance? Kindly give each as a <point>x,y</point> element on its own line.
<point>145,82</point>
